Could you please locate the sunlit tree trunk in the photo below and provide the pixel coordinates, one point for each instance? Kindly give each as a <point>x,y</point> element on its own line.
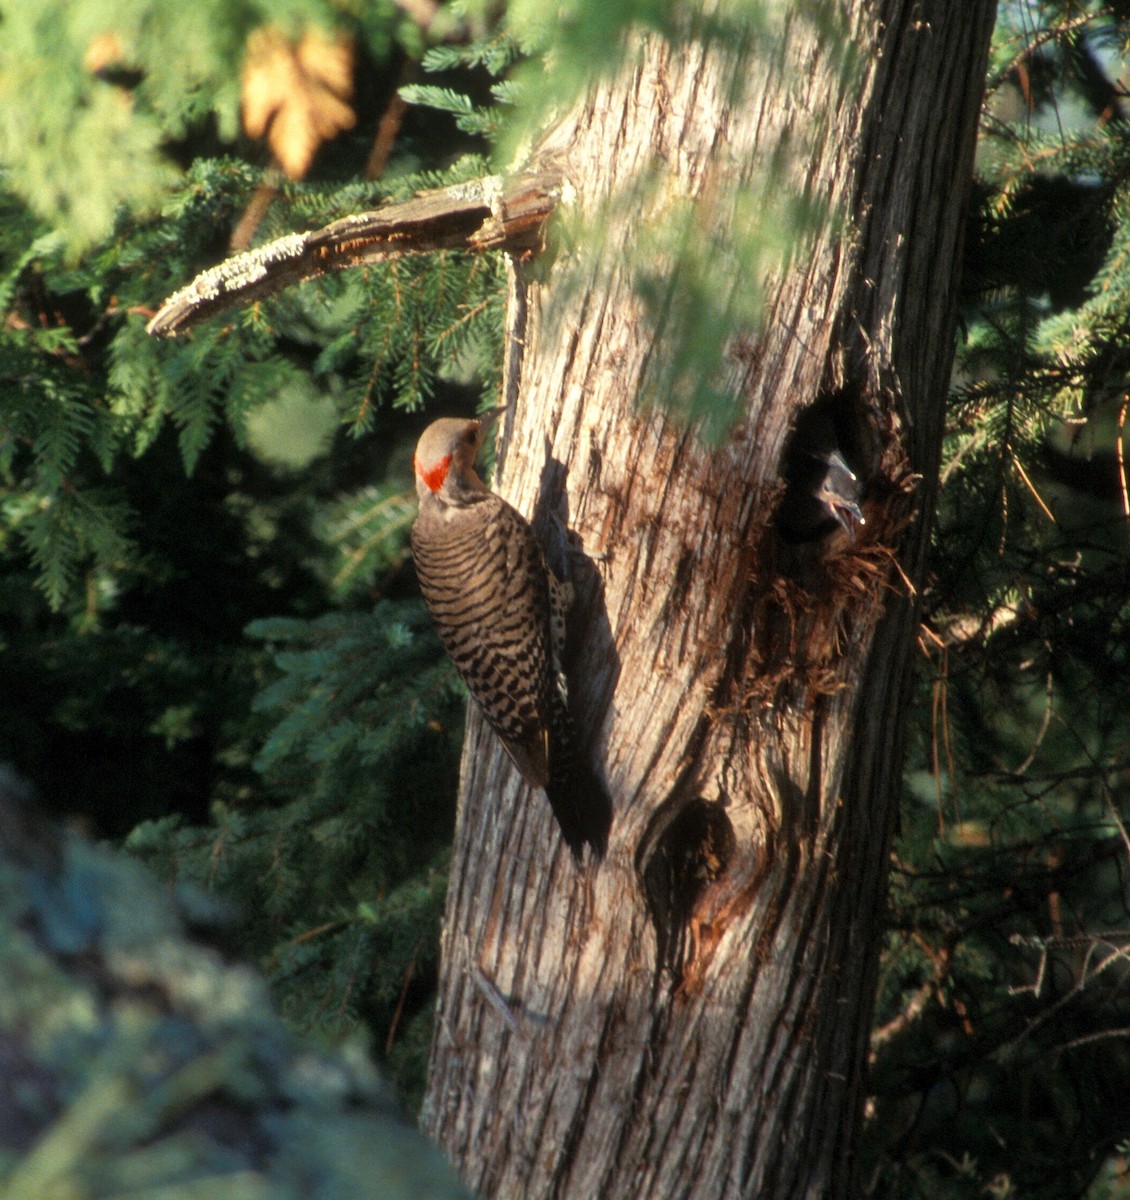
<point>689,1016</point>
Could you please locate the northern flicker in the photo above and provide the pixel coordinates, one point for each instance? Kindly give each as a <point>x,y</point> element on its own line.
<point>500,613</point>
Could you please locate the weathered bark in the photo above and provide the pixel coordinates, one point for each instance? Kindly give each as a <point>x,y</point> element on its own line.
<point>689,1016</point>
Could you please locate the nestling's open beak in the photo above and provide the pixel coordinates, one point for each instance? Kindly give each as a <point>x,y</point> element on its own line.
<point>839,494</point>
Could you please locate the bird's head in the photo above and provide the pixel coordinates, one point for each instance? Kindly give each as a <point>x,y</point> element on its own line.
<point>445,458</point>
<point>838,492</point>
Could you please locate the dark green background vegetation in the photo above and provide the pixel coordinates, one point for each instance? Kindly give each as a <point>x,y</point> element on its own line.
<point>212,646</point>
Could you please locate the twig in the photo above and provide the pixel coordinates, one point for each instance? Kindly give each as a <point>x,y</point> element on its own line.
<point>400,1004</point>
<point>1030,485</point>
<point>389,126</point>
<point>1045,724</point>
<point>245,228</point>
<point>494,998</point>
<point>1121,456</point>
<point>1040,39</point>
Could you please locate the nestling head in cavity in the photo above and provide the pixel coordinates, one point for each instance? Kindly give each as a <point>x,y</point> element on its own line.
<point>445,459</point>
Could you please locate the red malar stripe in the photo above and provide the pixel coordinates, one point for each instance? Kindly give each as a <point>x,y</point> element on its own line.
<point>435,477</point>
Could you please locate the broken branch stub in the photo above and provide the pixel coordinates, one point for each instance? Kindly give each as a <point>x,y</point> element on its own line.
<point>491,213</point>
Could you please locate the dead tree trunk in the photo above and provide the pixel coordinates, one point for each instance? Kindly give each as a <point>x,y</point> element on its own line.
<point>689,1017</point>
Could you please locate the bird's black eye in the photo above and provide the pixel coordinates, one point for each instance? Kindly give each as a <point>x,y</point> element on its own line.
<point>471,436</point>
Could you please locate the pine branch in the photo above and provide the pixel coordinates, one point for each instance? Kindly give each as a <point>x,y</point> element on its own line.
<point>484,214</point>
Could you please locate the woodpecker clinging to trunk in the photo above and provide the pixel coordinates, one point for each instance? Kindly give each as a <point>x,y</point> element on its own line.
<point>500,613</point>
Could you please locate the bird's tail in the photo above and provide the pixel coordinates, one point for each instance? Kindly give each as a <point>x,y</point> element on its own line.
<point>579,799</point>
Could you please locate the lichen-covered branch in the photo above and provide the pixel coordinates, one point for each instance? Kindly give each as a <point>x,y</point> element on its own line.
<point>491,213</point>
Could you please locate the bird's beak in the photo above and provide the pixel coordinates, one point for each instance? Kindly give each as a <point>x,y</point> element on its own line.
<point>848,513</point>
<point>488,418</point>
<point>838,493</point>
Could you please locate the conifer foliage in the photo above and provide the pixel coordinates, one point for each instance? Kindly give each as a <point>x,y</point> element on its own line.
<point>1001,1037</point>
<point>160,498</point>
